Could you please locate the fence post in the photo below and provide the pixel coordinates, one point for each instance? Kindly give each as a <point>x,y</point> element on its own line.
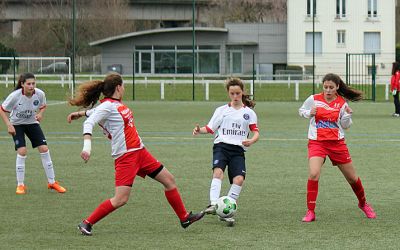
<point>62,81</point>
<point>207,90</point>
<point>296,93</point>
<point>288,84</point>
<point>252,88</point>
<point>162,90</point>
<point>6,81</point>
<point>387,91</point>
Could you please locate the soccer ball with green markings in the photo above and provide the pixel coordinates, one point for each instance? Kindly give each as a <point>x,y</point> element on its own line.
<point>226,207</point>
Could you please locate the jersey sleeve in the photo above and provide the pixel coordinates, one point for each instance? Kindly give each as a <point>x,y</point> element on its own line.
<point>305,109</point>
<point>98,114</point>
<point>9,102</point>
<point>253,121</point>
<point>345,118</point>
<point>215,121</point>
<point>42,99</point>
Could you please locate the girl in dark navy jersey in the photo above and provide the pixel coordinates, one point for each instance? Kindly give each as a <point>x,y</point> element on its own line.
<point>231,124</point>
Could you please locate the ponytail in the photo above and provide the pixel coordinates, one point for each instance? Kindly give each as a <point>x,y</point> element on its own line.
<point>344,90</point>
<point>245,98</point>
<point>89,93</point>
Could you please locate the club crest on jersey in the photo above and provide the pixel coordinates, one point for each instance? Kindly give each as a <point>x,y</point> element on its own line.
<point>36,102</point>
<point>246,116</point>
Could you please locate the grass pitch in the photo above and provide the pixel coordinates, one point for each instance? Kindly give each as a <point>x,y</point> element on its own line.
<point>271,204</point>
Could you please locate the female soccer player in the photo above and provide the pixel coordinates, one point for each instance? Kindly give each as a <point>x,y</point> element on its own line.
<point>395,88</point>
<point>231,124</point>
<point>329,115</point>
<point>131,157</point>
<point>27,105</point>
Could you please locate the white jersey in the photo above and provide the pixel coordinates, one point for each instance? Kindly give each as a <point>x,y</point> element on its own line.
<point>23,109</point>
<point>232,126</point>
<point>116,119</point>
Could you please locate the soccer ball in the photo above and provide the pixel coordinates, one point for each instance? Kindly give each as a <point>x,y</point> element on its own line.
<point>226,207</point>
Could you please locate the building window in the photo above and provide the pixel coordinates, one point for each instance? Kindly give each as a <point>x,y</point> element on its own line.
<point>372,8</point>
<point>341,37</point>
<point>317,43</point>
<point>372,42</point>
<point>340,8</point>
<point>234,61</point>
<point>311,7</point>
<point>177,59</point>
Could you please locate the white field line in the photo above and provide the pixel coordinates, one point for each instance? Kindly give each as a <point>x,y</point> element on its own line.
<point>56,103</point>
<point>173,138</point>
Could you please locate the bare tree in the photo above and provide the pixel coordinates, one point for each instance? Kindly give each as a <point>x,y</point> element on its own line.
<point>221,11</point>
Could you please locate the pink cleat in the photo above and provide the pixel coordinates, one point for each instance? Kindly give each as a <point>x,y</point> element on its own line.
<point>310,216</point>
<point>368,211</point>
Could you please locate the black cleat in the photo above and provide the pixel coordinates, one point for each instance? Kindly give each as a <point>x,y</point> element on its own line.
<point>192,218</point>
<point>85,228</point>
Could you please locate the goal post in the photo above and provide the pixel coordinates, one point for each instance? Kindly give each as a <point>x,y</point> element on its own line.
<point>49,70</point>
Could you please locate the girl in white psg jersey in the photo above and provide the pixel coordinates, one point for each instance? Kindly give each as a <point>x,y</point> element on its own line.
<point>329,115</point>
<point>131,156</point>
<point>26,105</point>
<point>231,124</point>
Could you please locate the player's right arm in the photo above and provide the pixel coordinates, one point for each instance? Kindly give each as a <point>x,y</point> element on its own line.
<point>308,108</point>
<point>212,125</point>
<point>6,106</point>
<point>96,115</point>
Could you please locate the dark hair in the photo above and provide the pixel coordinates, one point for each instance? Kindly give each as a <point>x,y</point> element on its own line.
<point>88,93</point>
<point>395,67</point>
<point>344,90</point>
<point>245,98</point>
<point>22,79</point>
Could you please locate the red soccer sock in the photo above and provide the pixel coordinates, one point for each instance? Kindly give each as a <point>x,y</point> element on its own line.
<point>100,212</point>
<point>175,200</point>
<point>359,191</point>
<point>312,193</point>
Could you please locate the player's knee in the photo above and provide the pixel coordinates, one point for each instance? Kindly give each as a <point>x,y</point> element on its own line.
<point>22,151</point>
<point>313,176</point>
<point>218,173</point>
<point>43,149</point>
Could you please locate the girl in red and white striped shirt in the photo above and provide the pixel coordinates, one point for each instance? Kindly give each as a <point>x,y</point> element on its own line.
<point>131,156</point>
<point>329,114</point>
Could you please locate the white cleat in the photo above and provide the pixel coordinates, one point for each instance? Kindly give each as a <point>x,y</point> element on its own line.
<point>210,209</point>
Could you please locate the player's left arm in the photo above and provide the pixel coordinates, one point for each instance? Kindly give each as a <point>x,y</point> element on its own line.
<point>39,115</point>
<point>345,116</point>
<point>252,140</point>
<point>43,105</point>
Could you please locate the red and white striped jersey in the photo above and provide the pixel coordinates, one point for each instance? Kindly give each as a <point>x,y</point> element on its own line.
<point>330,120</point>
<point>232,126</point>
<point>116,119</point>
<point>22,108</point>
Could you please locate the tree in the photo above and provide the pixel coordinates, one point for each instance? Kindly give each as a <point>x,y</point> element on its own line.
<point>248,11</point>
<point>6,52</point>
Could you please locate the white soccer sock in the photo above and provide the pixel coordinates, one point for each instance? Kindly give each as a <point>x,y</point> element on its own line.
<point>234,192</point>
<point>215,190</point>
<point>48,166</point>
<point>20,169</point>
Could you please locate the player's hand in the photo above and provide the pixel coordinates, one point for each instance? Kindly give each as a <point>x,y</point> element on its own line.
<point>38,117</point>
<point>247,143</point>
<point>11,130</point>
<point>72,116</point>
<point>313,111</point>
<point>196,130</point>
<point>348,110</point>
<point>85,156</point>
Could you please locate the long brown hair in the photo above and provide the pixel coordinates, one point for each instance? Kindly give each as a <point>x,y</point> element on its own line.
<point>89,92</point>
<point>344,90</point>
<point>22,79</point>
<point>245,98</point>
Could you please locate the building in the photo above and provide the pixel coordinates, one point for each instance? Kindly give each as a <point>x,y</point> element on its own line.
<point>228,50</point>
<point>357,26</point>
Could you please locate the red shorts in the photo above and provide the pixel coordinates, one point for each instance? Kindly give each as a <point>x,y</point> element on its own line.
<point>139,162</point>
<point>337,151</point>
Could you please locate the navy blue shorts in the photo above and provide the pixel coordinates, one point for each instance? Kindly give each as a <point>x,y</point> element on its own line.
<point>32,131</point>
<point>231,156</point>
